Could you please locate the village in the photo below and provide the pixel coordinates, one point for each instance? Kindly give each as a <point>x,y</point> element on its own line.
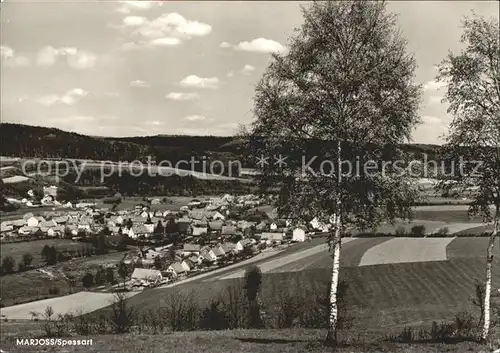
<point>160,245</point>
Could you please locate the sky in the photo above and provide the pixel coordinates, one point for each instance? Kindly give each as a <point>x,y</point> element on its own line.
<point>145,68</point>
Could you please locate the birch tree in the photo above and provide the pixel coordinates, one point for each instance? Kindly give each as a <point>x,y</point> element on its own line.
<point>473,141</point>
<point>328,111</point>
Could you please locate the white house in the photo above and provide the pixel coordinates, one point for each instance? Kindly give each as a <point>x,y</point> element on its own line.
<point>176,269</point>
<point>32,222</point>
<point>215,253</point>
<point>147,275</point>
<point>273,237</point>
<point>187,265</point>
<point>243,244</point>
<point>197,231</point>
<point>299,234</point>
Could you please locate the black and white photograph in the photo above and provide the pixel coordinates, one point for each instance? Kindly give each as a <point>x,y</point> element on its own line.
<point>249,176</point>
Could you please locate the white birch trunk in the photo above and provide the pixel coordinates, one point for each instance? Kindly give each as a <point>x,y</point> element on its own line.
<point>487,289</point>
<point>331,339</point>
<point>332,327</point>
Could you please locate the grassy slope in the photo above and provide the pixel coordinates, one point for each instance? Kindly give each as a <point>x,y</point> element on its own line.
<point>33,285</point>
<point>460,216</point>
<point>383,296</point>
<point>244,341</point>
<point>17,250</point>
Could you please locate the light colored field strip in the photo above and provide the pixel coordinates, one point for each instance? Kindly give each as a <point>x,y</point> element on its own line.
<point>459,227</point>
<point>285,260</point>
<point>14,179</point>
<point>81,302</point>
<point>438,208</point>
<point>403,250</point>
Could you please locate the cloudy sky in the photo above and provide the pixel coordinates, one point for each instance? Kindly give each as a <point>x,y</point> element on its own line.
<point>141,68</point>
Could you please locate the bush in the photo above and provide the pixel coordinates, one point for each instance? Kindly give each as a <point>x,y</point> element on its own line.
<point>400,231</point>
<point>235,305</point>
<point>8,264</point>
<point>181,311</point>
<point>122,315</point>
<point>443,231</point>
<point>213,317</point>
<point>88,280</point>
<point>287,310</point>
<point>27,260</point>
<point>418,231</point>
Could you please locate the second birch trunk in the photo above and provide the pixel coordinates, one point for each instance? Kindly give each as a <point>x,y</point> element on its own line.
<point>487,289</point>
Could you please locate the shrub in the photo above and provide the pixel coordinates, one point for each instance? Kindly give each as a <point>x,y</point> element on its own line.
<point>287,310</point>
<point>88,280</point>
<point>444,231</point>
<point>418,231</point>
<point>400,231</point>
<point>122,315</point>
<point>235,305</point>
<point>8,264</point>
<point>213,317</point>
<point>27,260</point>
<point>181,311</point>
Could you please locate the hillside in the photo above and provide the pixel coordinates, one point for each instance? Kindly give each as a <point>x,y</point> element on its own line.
<point>34,141</point>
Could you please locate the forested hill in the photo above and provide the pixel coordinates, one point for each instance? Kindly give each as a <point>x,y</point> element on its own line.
<point>32,141</point>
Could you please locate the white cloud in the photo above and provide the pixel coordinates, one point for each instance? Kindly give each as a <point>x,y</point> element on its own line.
<point>77,59</point>
<point>225,45</point>
<point>134,21</point>
<point>230,74</point>
<point>166,30</point>
<point>181,96</point>
<point>6,52</point>
<point>156,122</point>
<point>10,59</point>
<point>261,45</point>
<point>248,69</point>
<point>434,85</point>
<point>129,6</point>
<point>200,82</point>
<point>165,42</point>
<point>195,118</point>
<point>69,98</point>
<point>139,84</point>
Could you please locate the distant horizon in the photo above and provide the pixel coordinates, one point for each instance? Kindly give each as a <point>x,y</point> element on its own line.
<point>163,134</point>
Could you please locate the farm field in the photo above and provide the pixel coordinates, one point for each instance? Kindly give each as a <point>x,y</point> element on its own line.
<point>384,296</point>
<point>18,249</point>
<point>445,214</point>
<point>78,303</point>
<point>443,255</point>
<point>36,284</point>
<point>415,293</point>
